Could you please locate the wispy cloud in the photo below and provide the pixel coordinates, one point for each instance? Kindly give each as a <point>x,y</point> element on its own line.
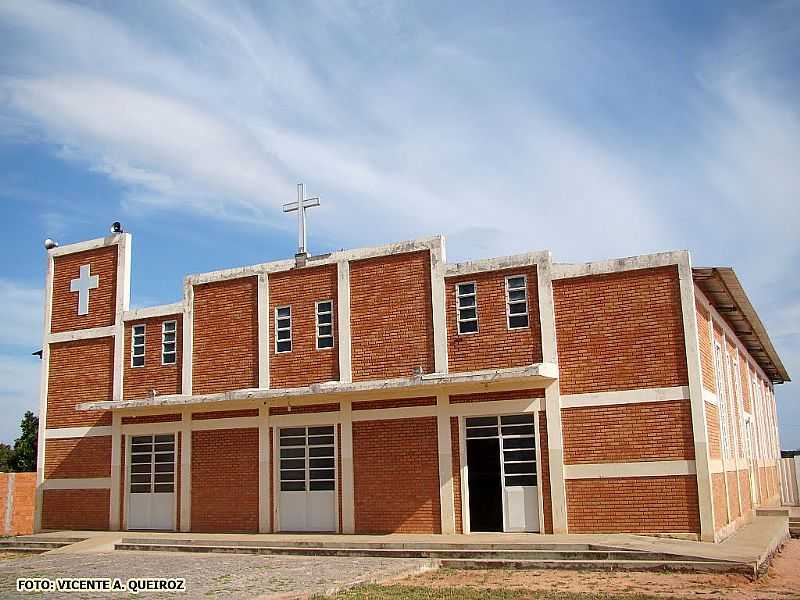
<point>593,130</point>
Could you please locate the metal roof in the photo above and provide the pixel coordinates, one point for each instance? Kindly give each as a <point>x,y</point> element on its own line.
<point>725,292</point>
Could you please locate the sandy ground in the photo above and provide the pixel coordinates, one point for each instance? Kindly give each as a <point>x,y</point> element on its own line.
<point>780,583</point>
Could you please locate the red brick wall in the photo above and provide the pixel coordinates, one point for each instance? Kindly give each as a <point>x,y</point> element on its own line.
<point>304,365</point>
<point>396,476</point>
<point>744,490</point>
<point>304,409</point>
<point>628,432</point>
<point>706,350</point>
<point>78,457</point>
<point>225,414</point>
<point>225,480</point>
<point>455,449</point>
<point>620,331</point>
<point>633,505</point>
<point>80,371</point>
<point>494,345</point>
<point>497,396</point>
<point>733,493</point>
<point>138,382</point>
<point>544,467</point>
<point>225,338</point>
<point>391,316</point>
<point>102,300</point>
<point>720,502</point>
<point>712,427</point>
<point>168,418</point>
<point>396,403</point>
<point>75,509</point>
<point>22,503</point>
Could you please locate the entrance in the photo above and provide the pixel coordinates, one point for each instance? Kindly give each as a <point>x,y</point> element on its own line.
<point>307,478</point>
<point>501,466</point>
<point>151,482</point>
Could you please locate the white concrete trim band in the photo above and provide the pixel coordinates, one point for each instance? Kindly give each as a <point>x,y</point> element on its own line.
<point>96,483</point>
<point>618,265</point>
<point>625,397</point>
<point>662,468</point>
<point>162,310</point>
<point>82,334</point>
<point>62,433</point>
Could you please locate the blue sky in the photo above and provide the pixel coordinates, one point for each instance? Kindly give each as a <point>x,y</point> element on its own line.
<point>594,129</point>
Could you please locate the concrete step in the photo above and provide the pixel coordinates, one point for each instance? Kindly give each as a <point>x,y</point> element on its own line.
<point>366,544</point>
<point>603,565</point>
<point>43,546</point>
<point>465,552</point>
<point>25,549</point>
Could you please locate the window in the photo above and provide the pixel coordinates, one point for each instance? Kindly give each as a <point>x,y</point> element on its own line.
<point>137,346</point>
<point>722,397</point>
<point>283,329</point>
<point>517,301</point>
<point>152,468</point>
<point>467,307</point>
<point>307,459</point>
<point>325,324</point>
<point>169,331</point>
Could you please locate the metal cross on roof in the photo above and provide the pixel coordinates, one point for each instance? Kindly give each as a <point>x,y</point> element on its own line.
<point>300,206</point>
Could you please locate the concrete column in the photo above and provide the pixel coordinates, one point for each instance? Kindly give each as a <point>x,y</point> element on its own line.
<point>446,493</point>
<point>343,321</point>
<point>186,470</point>
<point>698,407</point>
<point>348,500</point>
<point>116,466</point>
<point>263,331</point>
<point>264,483</point>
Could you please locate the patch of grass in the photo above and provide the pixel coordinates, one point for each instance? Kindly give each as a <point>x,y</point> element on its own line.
<point>408,592</point>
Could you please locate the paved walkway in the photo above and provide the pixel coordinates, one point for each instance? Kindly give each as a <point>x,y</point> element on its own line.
<point>751,544</point>
<point>208,576</point>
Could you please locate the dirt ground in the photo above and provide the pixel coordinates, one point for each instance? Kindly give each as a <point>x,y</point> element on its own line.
<point>781,582</point>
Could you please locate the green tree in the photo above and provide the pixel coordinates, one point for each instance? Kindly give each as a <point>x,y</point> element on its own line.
<point>26,445</point>
<point>6,456</point>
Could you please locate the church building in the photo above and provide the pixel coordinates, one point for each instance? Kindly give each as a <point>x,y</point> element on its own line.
<point>386,390</point>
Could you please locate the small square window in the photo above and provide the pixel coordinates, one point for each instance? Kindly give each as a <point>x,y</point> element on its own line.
<point>137,346</point>
<point>169,343</point>
<point>283,329</point>
<point>517,302</point>
<point>324,324</point>
<point>467,307</point>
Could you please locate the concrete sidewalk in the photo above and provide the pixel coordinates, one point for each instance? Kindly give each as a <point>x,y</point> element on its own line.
<point>753,545</point>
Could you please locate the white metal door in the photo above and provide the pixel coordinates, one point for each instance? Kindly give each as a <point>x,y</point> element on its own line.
<point>518,464</point>
<point>307,499</point>
<point>519,492</point>
<point>151,482</point>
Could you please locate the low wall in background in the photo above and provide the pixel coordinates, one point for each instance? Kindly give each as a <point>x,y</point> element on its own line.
<point>17,502</point>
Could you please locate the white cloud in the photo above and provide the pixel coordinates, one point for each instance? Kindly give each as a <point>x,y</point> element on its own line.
<point>19,392</point>
<point>21,308</point>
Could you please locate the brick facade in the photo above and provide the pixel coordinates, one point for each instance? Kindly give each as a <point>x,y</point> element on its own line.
<point>225,339</point>
<point>78,458</point>
<point>75,509</point>
<point>646,431</point>
<point>396,490</point>
<point>80,371</point>
<point>391,316</point>
<point>614,332</point>
<point>225,480</point>
<point>633,505</point>
<point>706,350</point>
<point>621,331</point>
<point>18,510</point>
<point>305,364</point>
<point>494,345</point>
<point>139,382</point>
<point>102,300</point>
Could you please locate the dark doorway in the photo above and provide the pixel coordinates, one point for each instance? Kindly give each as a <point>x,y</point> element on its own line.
<point>485,500</point>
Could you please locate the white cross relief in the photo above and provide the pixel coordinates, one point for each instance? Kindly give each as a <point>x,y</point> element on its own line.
<point>300,206</point>
<point>82,285</point>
